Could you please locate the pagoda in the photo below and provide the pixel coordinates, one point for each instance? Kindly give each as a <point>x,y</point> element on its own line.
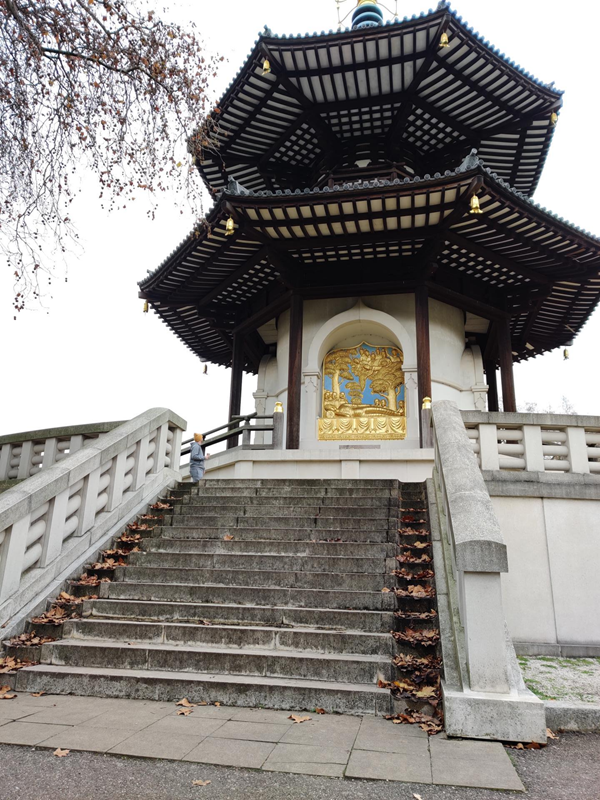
<point>373,242</point>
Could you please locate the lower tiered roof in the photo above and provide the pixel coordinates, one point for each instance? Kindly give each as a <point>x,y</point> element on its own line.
<point>380,237</point>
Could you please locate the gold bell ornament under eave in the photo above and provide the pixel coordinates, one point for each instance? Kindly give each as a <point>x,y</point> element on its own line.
<point>475,207</point>
<point>444,41</point>
<point>266,67</point>
<point>229,227</point>
<point>146,307</point>
<point>554,118</point>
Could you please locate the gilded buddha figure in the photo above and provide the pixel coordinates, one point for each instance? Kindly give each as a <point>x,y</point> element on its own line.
<point>363,394</point>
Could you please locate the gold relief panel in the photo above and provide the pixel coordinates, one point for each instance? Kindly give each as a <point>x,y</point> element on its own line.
<point>363,394</point>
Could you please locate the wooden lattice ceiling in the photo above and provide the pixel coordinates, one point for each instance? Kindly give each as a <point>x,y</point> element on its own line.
<point>389,95</point>
<point>381,237</point>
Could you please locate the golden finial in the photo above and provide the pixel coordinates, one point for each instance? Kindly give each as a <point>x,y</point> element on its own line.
<point>278,408</point>
<point>475,207</point>
<point>444,41</point>
<point>229,227</point>
<point>426,403</point>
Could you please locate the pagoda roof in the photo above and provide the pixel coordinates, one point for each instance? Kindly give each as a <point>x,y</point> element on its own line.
<point>388,94</point>
<point>514,260</point>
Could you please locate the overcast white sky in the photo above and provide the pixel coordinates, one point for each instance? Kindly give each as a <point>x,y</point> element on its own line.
<point>93,356</point>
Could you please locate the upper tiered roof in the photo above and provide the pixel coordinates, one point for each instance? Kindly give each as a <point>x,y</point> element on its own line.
<point>386,94</point>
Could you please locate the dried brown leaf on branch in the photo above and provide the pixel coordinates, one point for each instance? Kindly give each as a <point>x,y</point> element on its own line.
<point>94,87</point>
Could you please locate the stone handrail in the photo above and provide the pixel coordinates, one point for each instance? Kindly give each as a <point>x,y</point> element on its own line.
<point>489,700</point>
<point>25,454</point>
<point>535,442</point>
<point>47,521</point>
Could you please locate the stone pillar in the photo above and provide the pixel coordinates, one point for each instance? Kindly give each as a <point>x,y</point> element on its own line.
<point>509,399</point>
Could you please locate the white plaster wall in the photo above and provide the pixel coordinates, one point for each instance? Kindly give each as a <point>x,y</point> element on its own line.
<point>453,377</point>
<point>552,590</point>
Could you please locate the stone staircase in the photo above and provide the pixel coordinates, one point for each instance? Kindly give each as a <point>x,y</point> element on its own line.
<point>259,593</point>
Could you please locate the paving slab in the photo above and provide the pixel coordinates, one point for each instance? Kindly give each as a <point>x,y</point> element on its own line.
<point>27,732</point>
<point>449,769</point>
<point>64,715</point>
<point>251,731</point>
<point>308,760</point>
<point>187,726</point>
<point>324,732</point>
<point>10,710</point>
<point>263,715</point>
<point>409,768</point>
<point>383,737</point>
<point>231,753</point>
<point>155,744</point>
<point>98,740</point>
<point>136,719</point>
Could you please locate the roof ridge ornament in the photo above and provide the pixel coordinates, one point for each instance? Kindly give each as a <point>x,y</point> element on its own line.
<point>471,161</point>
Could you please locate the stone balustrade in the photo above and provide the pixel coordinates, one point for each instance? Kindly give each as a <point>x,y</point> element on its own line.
<point>51,518</point>
<point>484,695</point>
<point>535,442</point>
<point>23,455</point>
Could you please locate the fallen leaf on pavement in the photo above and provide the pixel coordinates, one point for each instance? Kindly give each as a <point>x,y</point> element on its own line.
<point>533,746</point>
<point>37,694</point>
<point>228,538</point>
<point>4,693</point>
<point>200,783</point>
<point>550,734</point>
<point>417,797</point>
<point>520,746</point>
<point>203,703</point>
<point>218,705</point>
<point>186,703</point>
<point>386,590</point>
<point>184,712</point>
<point>60,753</point>
<point>298,719</point>
<point>320,711</point>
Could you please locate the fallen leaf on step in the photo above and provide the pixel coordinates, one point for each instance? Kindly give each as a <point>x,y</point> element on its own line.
<point>550,734</point>
<point>5,693</point>
<point>320,711</point>
<point>520,746</point>
<point>385,590</point>
<point>37,694</point>
<point>417,797</point>
<point>200,783</point>
<point>60,753</point>
<point>228,538</point>
<point>184,712</point>
<point>218,705</point>
<point>298,719</point>
<point>203,703</point>
<point>533,746</point>
<point>186,703</point>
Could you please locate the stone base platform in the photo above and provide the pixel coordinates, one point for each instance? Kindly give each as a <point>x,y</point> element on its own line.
<point>344,461</point>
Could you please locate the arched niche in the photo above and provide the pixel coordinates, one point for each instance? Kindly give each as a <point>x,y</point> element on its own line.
<point>359,323</point>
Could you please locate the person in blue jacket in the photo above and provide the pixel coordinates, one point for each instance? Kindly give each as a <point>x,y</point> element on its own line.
<point>197,458</point>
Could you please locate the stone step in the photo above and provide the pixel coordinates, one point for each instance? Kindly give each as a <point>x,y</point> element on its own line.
<point>279,522</point>
<point>369,582</point>
<point>270,547</point>
<point>232,637</point>
<point>196,528</point>
<point>301,513</point>
<point>231,690</point>
<point>299,501</point>
<point>252,595</point>
<point>257,561</point>
<point>319,483</point>
<point>214,489</point>
<point>339,667</point>
<point>232,614</point>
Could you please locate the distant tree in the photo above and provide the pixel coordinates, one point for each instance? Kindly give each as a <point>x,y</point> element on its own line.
<point>97,86</point>
<point>566,407</point>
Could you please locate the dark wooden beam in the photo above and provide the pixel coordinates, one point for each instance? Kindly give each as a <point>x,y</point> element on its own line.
<point>237,374</point>
<point>492,382</point>
<point>509,400</point>
<point>423,351</point>
<point>294,394</point>
<point>465,303</point>
<point>270,310</point>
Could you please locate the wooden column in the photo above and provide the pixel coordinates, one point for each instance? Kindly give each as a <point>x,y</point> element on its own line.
<point>423,353</point>
<point>294,373</point>
<point>509,400</point>
<point>492,382</point>
<point>237,373</point>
